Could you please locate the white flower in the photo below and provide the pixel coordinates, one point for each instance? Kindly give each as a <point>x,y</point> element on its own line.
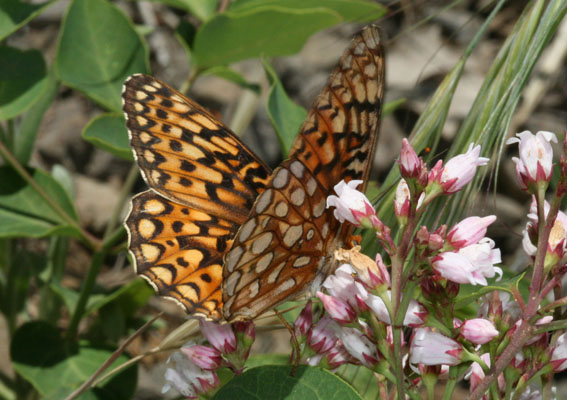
<point>536,156</point>
<point>432,348</point>
<point>350,204</point>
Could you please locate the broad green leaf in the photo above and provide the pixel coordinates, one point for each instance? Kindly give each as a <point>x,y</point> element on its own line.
<point>98,49</point>
<point>23,80</point>
<point>270,30</point>
<point>24,141</point>
<point>232,76</point>
<point>286,116</point>
<point>108,131</point>
<point>24,212</point>
<point>14,14</point>
<point>361,378</point>
<point>56,368</point>
<point>275,382</point>
<point>202,9</point>
<point>350,10</point>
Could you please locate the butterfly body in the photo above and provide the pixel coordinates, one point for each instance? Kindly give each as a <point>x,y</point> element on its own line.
<point>218,231</point>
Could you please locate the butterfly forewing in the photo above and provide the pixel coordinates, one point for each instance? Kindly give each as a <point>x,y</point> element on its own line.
<point>203,181</point>
<point>186,155</point>
<point>286,245</point>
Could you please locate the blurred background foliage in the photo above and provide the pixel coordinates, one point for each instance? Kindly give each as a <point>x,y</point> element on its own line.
<point>457,72</point>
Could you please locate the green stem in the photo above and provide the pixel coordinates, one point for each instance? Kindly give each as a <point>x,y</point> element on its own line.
<point>86,289</point>
<point>90,240</point>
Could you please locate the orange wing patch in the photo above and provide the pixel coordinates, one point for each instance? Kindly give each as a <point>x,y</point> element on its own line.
<point>203,180</point>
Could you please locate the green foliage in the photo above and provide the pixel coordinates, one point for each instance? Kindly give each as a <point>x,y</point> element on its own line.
<point>55,368</point>
<point>98,47</point>
<point>22,81</point>
<point>275,382</point>
<point>108,131</point>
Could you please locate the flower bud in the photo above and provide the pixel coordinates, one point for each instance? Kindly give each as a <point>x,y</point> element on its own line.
<point>478,330</point>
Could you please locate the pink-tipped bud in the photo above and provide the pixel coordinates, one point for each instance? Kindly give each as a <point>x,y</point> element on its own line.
<point>339,310</point>
<point>221,337</point>
<point>478,330</point>
<point>433,348</point>
<point>352,205</point>
<point>458,171</point>
<point>559,354</point>
<point>322,337</point>
<point>410,163</point>
<point>205,357</point>
<point>469,231</point>
<point>304,321</point>
<point>536,158</point>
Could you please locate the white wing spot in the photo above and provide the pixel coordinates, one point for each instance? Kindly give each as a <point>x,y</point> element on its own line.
<point>246,230</point>
<point>264,201</point>
<point>281,178</point>
<point>262,242</point>
<point>298,197</point>
<point>297,169</point>
<point>264,262</point>
<point>301,261</point>
<point>282,209</point>
<point>292,235</point>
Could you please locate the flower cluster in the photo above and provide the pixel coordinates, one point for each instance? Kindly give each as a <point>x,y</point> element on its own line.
<point>192,370</point>
<point>406,300</point>
<point>430,266</point>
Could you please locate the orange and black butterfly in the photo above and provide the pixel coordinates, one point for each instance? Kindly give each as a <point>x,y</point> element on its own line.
<point>220,233</point>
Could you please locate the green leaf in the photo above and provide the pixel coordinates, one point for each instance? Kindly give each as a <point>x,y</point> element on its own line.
<point>232,76</point>
<point>270,30</point>
<point>275,382</point>
<point>286,116</point>
<point>23,80</point>
<point>24,212</point>
<point>14,14</point>
<point>129,297</point>
<point>98,49</point>
<point>108,131</point>
<point>24,141</point>
<point>56,368</point>
<point>350,10</point>
<point>202,9</point>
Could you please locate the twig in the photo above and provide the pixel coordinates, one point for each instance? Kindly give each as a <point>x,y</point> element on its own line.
<point>112,358</point>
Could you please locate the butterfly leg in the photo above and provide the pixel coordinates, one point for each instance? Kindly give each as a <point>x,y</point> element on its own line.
<point>296,349</point>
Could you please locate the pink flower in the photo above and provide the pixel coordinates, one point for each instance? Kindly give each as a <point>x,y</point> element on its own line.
<point>352,205</point>
<point>469,231</point>
<point>203,356</point>
<point>187,378</point>
<point>221,337</point>
<point>478,330</point>
<point>415,315</point>
<point>536,157</point>
<point>559,354</point>
<point>432,348</point>
<point>339,310</point>
<point>483,256</point>
<point>476,375</point>
<point>338,356</point>
<point>322,337</point>
<point>358,346</point>
<point>343,286</point>
<point>471,264</point>
<point>458,171</point>
<point>410,163</point>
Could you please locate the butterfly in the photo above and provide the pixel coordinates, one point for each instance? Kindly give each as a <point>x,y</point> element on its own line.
<point>220,233</point>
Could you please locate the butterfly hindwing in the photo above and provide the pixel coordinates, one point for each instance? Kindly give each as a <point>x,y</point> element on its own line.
<point>203,182</point>
<point>274,257</point>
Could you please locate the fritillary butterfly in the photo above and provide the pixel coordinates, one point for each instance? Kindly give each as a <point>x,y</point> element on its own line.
<point>218,231</point>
